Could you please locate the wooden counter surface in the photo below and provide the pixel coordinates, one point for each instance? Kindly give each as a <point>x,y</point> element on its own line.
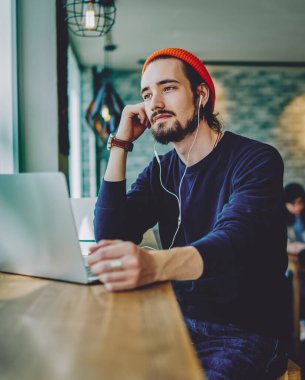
<point>52,330</point>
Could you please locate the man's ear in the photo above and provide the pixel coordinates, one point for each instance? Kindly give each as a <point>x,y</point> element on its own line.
<point>204,91</point>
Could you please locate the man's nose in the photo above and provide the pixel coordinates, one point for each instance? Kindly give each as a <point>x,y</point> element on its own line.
<point>156,102</point>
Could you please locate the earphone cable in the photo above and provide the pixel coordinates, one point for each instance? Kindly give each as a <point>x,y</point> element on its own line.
<point>183,175</point>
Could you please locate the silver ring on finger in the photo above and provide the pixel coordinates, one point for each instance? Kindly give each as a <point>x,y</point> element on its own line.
<point>116,265</point>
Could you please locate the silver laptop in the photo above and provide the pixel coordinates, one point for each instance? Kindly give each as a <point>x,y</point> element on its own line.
<point>38,235</point>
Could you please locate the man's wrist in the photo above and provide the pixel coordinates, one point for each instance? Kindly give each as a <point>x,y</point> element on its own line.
<point>181,263</point>
<point>114,141</point>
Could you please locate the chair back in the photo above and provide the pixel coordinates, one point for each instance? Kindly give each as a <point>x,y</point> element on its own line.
<point>83,211</point>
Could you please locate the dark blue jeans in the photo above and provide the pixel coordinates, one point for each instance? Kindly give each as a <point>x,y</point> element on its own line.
<point>227,352</point>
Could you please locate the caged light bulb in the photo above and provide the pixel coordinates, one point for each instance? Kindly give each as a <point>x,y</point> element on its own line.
<point>89,18</point>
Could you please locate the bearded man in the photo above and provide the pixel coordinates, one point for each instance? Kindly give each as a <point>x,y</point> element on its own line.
<point>218,200</point>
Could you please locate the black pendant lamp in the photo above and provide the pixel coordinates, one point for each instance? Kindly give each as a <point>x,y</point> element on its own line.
<point>90,18</point>
<point>104,112</point>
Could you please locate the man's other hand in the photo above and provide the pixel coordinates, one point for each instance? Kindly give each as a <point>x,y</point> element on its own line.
<point>121,265</point>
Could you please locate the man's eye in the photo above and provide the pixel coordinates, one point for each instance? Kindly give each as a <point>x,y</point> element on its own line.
<point>146,96</point>
<point>169,88</point>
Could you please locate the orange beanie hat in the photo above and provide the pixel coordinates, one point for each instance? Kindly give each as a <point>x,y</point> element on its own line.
<point>189,58</point>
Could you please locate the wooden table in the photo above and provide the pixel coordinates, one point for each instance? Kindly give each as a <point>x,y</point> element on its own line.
<point>296,268</point>
<point>54,330</point>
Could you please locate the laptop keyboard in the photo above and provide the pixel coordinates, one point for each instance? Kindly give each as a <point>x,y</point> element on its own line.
<point>91,276</point>
<point>89,273</point>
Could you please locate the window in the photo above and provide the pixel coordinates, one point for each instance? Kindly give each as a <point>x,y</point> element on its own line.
<point>8,89</point>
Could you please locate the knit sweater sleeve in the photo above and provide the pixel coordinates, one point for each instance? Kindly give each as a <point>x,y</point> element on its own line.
<point>253,212</point>
<point>124,216</point>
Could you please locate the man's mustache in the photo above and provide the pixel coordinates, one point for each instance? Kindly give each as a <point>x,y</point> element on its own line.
<point>152,119</point>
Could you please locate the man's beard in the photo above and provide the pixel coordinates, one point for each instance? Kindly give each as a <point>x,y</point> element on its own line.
<point>175,132</point>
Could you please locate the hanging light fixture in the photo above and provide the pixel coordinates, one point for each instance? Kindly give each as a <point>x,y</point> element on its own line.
<point>90,18</point>
<point>104,112</point>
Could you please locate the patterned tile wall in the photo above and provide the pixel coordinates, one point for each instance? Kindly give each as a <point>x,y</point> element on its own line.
<point>267,105</point>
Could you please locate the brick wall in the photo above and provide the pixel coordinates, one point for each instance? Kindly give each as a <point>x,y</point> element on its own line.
<point>267,104</point>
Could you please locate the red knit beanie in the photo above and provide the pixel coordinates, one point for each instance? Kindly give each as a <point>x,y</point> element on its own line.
<point>189,58</point>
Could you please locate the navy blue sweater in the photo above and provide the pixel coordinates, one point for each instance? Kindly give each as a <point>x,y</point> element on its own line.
<point>232,212</point>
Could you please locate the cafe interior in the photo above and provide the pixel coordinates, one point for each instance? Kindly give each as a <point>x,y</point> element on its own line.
<point>67,70</point>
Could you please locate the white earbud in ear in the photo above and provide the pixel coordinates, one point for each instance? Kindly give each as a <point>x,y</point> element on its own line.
<point>200,100</point>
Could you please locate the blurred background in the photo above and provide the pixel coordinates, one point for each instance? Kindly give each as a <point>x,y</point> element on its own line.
<point>63,86</point>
